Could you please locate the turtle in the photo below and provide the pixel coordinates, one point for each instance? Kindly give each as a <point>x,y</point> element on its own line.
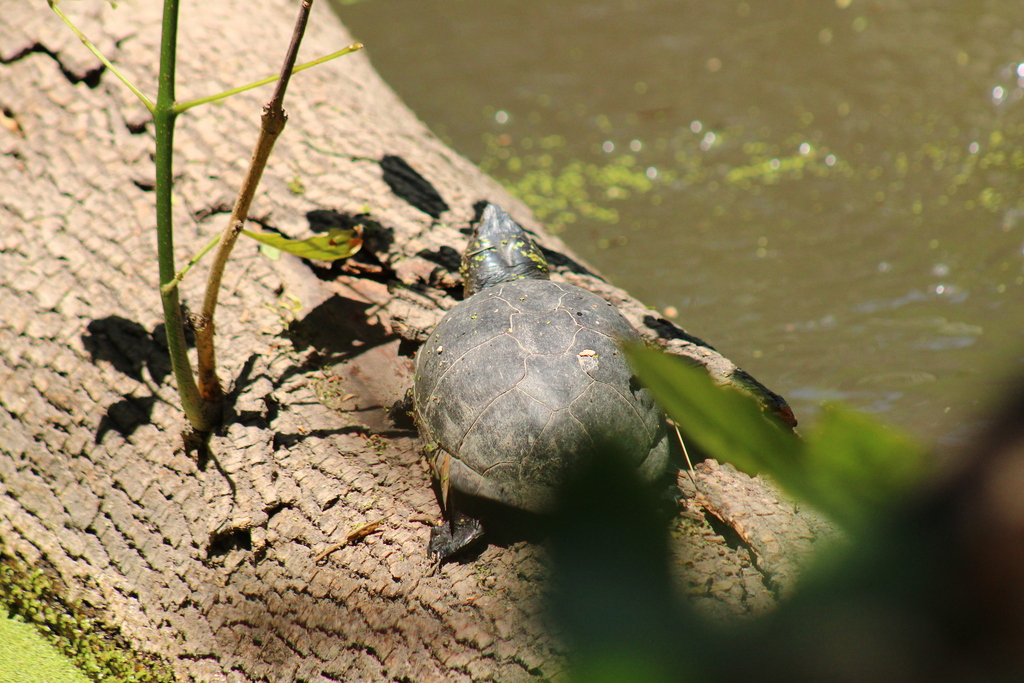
<point>521,381</point>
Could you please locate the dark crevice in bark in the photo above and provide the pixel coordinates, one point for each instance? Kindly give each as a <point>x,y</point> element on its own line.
<point>736,542</point>
<point>287,440</point>
<point>276,508</point>
<point>265,223</point>
<point>137,127</point>
<point>205,212</point>
<point>223,543</point>
<point>9,120</point>
<point>91,77</point>
<point>273,408</point>
<point>732,538</point>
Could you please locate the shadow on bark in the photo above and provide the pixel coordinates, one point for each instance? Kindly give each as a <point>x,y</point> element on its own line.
<point>407,183</point>
<point>359,355</point>
<point>130,349</point>
<point>125,416</point>
<point>127,346</point>
<point>338,330</point>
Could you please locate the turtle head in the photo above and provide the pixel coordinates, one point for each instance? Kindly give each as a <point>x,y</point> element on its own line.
<point>500,251</point>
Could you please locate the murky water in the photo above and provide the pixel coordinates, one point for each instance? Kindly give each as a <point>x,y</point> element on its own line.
<point>828,191</point>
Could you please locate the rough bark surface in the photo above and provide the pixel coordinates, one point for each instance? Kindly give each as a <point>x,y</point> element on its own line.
<point>212,563</point>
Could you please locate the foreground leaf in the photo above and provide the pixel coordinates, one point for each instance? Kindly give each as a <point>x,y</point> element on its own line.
<point>721,419</point>
<point>335,244</point>
<point>851,468</point>
<point>860,465</point>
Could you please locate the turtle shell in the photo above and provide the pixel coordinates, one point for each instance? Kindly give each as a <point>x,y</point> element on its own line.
<point>519,382</point>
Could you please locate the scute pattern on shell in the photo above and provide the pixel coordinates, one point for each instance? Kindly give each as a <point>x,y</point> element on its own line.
<point>517,383</point>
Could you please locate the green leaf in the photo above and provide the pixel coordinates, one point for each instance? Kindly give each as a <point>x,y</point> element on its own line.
<point>620,665</point>
<point>851,468</point>
<point>330,246</point>
<point>721,419</point>
<point>272,253</point>
<point>862,466</point>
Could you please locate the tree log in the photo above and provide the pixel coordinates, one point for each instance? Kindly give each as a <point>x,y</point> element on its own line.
<point>211,559</point>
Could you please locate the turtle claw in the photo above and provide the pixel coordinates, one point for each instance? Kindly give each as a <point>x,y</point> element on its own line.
<point>449,538</point>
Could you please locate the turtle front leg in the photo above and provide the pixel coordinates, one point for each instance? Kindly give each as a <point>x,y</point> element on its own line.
<point>457,532</point>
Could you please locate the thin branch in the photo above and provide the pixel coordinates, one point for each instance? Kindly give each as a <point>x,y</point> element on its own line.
<point>99,55</point>
<point>166,289</point>
<point>689,464</point>
<point>273,122</point>
<point>352,537</point>
<point>184,106</point>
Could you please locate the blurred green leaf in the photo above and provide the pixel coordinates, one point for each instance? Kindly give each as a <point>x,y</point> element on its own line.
<point>851,468</point>
<point>330,246</point>
<point>860,465</point>
<point>619,666</point>
<point>721,419</point>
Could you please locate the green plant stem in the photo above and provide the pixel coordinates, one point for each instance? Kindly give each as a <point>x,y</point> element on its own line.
<point>99,55</point>
<point>185,106</point>
<point>273,122</point>
<point>198,412</point>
